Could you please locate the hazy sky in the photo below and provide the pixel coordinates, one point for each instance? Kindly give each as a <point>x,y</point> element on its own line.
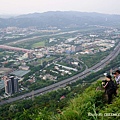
<point>31,6</point>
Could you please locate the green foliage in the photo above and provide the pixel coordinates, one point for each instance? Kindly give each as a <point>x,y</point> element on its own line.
<point>38,44</point>
<point>113,108</point>
<point>88,59</point>
<point>90,106</point>
<point>83,104</point>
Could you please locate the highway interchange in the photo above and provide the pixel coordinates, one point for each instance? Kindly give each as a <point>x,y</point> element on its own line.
<point>63,83</point>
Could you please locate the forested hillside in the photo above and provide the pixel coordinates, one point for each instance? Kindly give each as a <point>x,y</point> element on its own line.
<point>90,105</point>
<point>59,19</point>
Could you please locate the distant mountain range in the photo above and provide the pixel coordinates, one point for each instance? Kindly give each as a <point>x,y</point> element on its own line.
<point>60,20</point>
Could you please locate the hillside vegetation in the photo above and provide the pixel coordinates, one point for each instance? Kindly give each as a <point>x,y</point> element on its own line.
<point>90,105</point>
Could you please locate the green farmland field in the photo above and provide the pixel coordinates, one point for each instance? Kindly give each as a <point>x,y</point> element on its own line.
<point>38,44</point>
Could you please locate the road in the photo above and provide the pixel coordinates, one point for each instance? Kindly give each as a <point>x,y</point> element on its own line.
<point>63,83</point>
<point>37,37</point>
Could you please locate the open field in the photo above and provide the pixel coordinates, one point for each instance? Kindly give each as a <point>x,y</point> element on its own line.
<point>38,44</point>
<point>1,53</point>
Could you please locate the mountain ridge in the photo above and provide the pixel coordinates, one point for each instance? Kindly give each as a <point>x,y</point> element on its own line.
<point>60,19</point>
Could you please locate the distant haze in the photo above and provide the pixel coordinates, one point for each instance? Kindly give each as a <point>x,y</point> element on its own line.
<point>61,20</point>
<point>13,7</point>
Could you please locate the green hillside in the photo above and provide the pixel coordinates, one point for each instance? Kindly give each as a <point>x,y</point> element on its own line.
<point>90,105</point>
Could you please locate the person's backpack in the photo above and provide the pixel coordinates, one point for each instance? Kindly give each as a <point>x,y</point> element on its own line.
<point>111,88</point>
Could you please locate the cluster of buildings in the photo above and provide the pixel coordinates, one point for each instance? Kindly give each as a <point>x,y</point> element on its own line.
<point>56,49</point>
<point>9,33</point>
<point>15,32</point>
<point>57,70</point>
<point>10,79</point>
<point>83,46</point>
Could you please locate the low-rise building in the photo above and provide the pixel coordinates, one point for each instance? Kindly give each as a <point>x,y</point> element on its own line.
<point>24,67</point>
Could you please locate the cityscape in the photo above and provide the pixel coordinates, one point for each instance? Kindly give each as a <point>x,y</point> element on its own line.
<point>19,62</point>
<point>59,60</point>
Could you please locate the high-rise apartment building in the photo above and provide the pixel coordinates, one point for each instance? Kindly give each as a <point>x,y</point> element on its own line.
<point>11,85</point>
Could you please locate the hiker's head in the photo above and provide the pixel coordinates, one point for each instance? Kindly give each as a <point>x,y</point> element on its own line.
<point>117,72</point>
<point>114,74</point>
<point>108,77</point>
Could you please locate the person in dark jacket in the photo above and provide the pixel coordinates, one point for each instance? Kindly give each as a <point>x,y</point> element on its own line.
<point>109,88</point>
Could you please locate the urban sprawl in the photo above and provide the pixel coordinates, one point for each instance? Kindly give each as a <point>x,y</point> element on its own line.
<point>29,61</point>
